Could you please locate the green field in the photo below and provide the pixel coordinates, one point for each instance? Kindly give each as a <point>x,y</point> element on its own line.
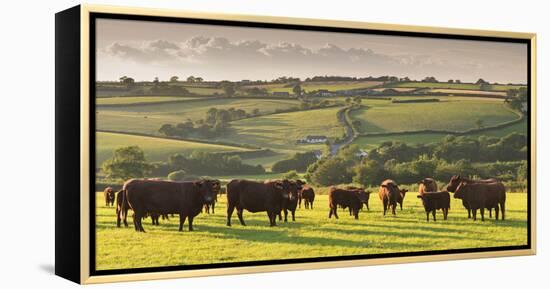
<point>124,100</point>
<point>468,86</point>
<point>312,86</point>
<point>149,118</point>
<point>454,114</point>
<point>156,149</point>
<point>312,235</point>
<point>280,131</point>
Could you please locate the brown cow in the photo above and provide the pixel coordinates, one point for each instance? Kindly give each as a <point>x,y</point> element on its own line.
<point>256,197</point>
<point>352,199</point>
<point>457,179</point>
<point>401,197</point>
<point>389,194</point>
<point>427,185</point>
<point>109,195</point>
<point>308,195</point>
<point>120,214</point>
<point>367,196</point>
<point>294,188</point>
<point>482,196</point>
<point>166,197</point>
<point>433,201</point>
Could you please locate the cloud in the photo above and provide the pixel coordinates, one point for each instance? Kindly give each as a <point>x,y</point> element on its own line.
<point>220,58</point>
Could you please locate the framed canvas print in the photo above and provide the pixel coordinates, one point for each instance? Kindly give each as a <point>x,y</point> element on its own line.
<point>194,144</point>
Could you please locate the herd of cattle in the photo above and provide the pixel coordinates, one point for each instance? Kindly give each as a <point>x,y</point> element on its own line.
<point>159,198</point>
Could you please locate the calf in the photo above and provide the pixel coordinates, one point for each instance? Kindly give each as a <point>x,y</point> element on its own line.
<point>401,197</point>
<point>433,201</point>
<point>109,195</point>
<point>482,196</point>
<point>352,199</point>
<point>367,196</point>
<point>212,205</point>
<point>308,195</point>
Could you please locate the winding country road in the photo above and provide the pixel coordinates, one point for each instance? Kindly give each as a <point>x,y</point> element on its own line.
<point>349,135</point>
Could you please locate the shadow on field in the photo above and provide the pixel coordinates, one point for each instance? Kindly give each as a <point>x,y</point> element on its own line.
<point>281,236</point>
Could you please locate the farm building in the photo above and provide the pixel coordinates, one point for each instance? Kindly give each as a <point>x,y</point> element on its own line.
<point>313,139</point>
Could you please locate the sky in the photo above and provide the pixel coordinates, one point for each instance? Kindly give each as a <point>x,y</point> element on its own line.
<point>144,50</point>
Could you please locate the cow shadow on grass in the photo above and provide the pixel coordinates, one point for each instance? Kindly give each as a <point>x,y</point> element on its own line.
<point>283,237</point>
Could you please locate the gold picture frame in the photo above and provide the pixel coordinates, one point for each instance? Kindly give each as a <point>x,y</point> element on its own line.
<point>66,264</point>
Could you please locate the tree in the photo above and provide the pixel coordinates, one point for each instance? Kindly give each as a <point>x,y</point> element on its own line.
<point>458,81</point>
<point>229,89</point>
<point>291,175</point>
<point>199,79</point>
<point>369,173</point>
<point>256,112</point>
<point>429,79</point>
<point>174,79</point>
<point>177,175</point>
<point>191,79</point>
<point>450,81</point>
<point>348,100</point>
<point>481,81</point>
<point>128,81</point>
<point>297,90</point>
<point>126,163</point>
<point>479,123</point>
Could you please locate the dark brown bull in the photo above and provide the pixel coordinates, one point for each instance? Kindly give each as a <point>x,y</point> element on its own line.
<point>308,195</point>
<point>389,194</point>
<point>482,196</point>
<point>352,199</point>
<point>401,197</point>
<point>433,201</point>
<point>427,185</point>
<point>457,179</point>
<point>294,189</point>
<point>256,197</point>
<point>165,197</point>
<point>109,195</point>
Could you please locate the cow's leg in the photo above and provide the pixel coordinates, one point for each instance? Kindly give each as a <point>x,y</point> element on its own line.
<point>134,219</point>
<point>335,213</point>
<point>311,204</point>
<point>502,205</point>
<point>482,212</point>
<point>469,212</point>
<point>280,215</point>
<point>125,218</point>
<point>490,213</point>
<point>300,203</point>
<point>474,214</point>
<point>230,209</point>
<point>445,213</point>
<point>393,207</point>
<point>182,221</point>
<point>367,204</point>
<point>286,215</point>
<point>240,215</point>
<point>118,218</point>
<point>356,213</point>
<point>385,205</point>
<point>293,213</point>
<point>496,213</point>
<point>401,205</point>
<point>427,216</point>
<point>213,205</point>
<point>330,213</point>
<point>141,229</point>
<point>349,208</point>
<point>190,223</point>
<point>433,214</point>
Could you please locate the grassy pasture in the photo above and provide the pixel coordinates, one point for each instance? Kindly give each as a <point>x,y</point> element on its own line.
<point>123,100</point>
<point>312,235</point>
<point>311,86</point>
<point>156,149</point>
<point>280,131</point>
<point>466,91</point>
<point>457,114</point>
<point>468,86</point>
<point>149,118</point>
